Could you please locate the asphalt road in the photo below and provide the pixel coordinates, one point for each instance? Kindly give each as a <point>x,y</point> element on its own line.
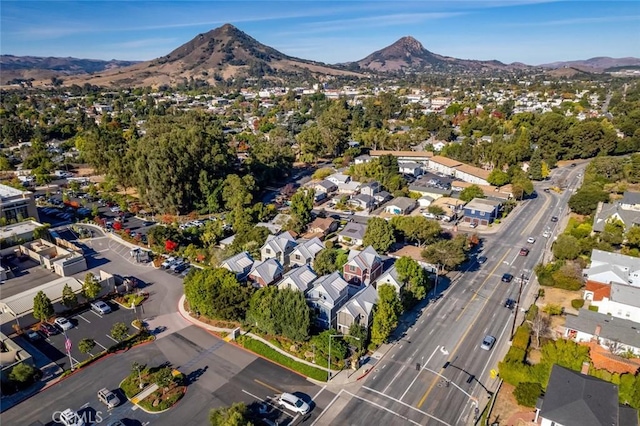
<point>218,374</point>
<point>410,385</point>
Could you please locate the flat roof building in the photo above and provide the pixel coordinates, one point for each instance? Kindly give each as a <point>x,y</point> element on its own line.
<point>16,204</point>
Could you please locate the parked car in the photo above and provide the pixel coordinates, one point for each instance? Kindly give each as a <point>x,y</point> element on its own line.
<point>509,303</point>
<point>48,330</point>
<point>293,403</point>
<point>63,323</point>
<point>554,218</point>
<point>531,240</point>
<point>100,307</point>
<point>482,259</point>
<point>524,251</point>
<point>546,234</point>
<point>115,209</point>
<point>167,263</point>
<point>473,225</point>
<point>69,417</point>
<point>108,398</point>
<point>181,267</point>
<point>487,342</point>
<point>33,335</point>
<point>506,278</point>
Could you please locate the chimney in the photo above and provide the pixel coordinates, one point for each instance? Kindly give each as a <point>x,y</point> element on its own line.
<point>585,368</point>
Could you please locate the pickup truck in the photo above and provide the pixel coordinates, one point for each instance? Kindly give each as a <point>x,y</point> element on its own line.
<point>108,398</point>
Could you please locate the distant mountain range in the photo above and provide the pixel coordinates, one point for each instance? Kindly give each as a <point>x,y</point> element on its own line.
<point>226,52</point>
<point>598,63</point>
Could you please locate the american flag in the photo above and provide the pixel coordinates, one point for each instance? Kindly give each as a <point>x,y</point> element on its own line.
<point>67,344</point>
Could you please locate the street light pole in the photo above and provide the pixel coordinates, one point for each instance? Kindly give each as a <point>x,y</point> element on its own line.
<point>515,314</point>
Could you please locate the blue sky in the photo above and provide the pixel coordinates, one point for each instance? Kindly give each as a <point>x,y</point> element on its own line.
<point>529,31</point>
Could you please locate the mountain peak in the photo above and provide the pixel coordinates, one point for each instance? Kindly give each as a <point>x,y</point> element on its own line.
<point>409,44</point>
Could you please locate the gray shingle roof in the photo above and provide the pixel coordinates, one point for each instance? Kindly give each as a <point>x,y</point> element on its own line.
<point>301,277</point>
<point>577,399</point>
<point>266,270</point>
<point>354,230</point>
<point>607,210</point>
<point>332,284</point>
<point>309,249</point>
<point>404,203</point>
<point>364,259</point>
<point>631,197</point>
<point>362,303</point>
<point>627,294</point>
<point>611,328</point>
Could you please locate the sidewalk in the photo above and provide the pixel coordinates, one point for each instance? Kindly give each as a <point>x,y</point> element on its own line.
<point>341,377</point>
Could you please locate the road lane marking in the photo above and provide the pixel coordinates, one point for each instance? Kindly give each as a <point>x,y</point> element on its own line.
<point>475,293</point>
<point>416,378</point>
<point>394,378</point>
<point>327,407</point>
<point>276,390</point>
<point>405,404</point>
<point>83,318</point>
<point>112,338</point>
<point>433,383</point>
<point>383,408</point>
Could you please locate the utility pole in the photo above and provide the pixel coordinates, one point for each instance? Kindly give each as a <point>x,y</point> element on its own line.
<point>515,314</point>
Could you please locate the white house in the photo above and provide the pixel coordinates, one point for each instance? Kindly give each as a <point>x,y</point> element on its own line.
<point>278,247</point>
<point>305,252</point>
<point>400,205</point>
<point>240,264</point>
<point>325,186</point>
<point>609,267</point>
<point>299,279</point>
<point>410,168</point>
<point>328,294</point>
<point>390,277</point>
<point>353,233</point>
<point>338,178</point>
<point>617,334</point>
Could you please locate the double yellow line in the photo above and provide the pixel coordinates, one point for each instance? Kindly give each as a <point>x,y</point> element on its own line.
<point>475,294</point>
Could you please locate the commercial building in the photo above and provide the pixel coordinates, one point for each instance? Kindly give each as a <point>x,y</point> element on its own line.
<point>16,204</point>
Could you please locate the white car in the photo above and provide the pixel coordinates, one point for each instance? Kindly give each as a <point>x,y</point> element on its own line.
<point>531,240</point>
<point>115,209</point>
<point>63,323</point>
<point>546,234</point>
<point>293,403</point>
<point>100,307</point>
<point>70,418</point>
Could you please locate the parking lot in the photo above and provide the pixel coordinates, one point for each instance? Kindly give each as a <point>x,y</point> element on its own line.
<point>87,324</point>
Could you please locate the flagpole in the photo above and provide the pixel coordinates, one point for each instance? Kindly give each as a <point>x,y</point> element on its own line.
<point>67,346</point>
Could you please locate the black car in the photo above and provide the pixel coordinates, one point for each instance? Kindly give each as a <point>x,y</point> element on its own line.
<point>506,278</point>
<point>573,164</point>
<point>509,303</point>
<point>554,218</point>
<point>482,259</point>
<point>181,267</point>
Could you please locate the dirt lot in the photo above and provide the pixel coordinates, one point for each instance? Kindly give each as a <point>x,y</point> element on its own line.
<point>507,412</point>
<point>555,296</point>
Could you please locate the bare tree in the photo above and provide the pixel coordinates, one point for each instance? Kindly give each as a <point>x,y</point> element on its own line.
<point>540,327</point>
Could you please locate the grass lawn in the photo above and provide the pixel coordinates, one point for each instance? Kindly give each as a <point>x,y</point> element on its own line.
<point>275,356</point>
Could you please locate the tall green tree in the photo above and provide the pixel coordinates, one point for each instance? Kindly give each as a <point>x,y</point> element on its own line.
<point>498,178</point>
<point>325,261</point>
<point>379,235</point>
<point>613,232</point>
<point>91,287</point>
<point>236,415</point>
<point>280,312</point>
<point>566,247</point>
<point>418,229</point>
<point>216,293</point>
<point>586,199</point>
<point>448,253</point>
<point>301,206</point>
<point>415,280</point>
<point>69,298</point>
<point>535,166</point>
<point>42,307</point>
<point>86,345</point>
<point>386,314</point>
<point>471,192</point>
<point>633,237</point>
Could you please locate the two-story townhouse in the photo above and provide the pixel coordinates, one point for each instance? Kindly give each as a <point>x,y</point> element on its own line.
<point>444,165</point>
<point>363,267</point>
<point>299,279</point>
<point>358,310</point>
<point>472,174</point>
<point>370,188</point>
<point>390,277</point>
<point>363,201</point>
<point>266,272</point>
<point>305,252</point>
<point>481,211</point>
<point>410,168</point>
<point>321,227</point>
<point>240,264</point>
<point>278,247</point>
<point>328,294</point>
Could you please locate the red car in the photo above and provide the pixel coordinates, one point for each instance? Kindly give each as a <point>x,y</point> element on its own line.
<point>524,251</point>
<point>48,329</point>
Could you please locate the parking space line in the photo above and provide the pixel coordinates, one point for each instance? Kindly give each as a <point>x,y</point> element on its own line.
<point>83,318</point>
<point>112,338</point>
<point>96,314</point>
<point>98,343</point>
<point>267,386</point>
<point>266,401</point>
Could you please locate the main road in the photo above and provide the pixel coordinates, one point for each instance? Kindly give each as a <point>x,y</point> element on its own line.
<point>411,385</point>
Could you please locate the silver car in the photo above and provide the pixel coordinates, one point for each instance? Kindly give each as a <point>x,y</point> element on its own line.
<point>293,403</point>
<point>487,342</point>
<point>100,307</point>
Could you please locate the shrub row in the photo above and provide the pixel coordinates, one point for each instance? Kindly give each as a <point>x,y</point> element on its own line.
<point>275,356</point>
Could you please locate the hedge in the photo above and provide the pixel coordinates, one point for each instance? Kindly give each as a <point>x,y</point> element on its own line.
<point>593,308</point>
<point>577,303</point>
<point>521,338</point>
<point>275,356</point>
<point>527,393</point>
